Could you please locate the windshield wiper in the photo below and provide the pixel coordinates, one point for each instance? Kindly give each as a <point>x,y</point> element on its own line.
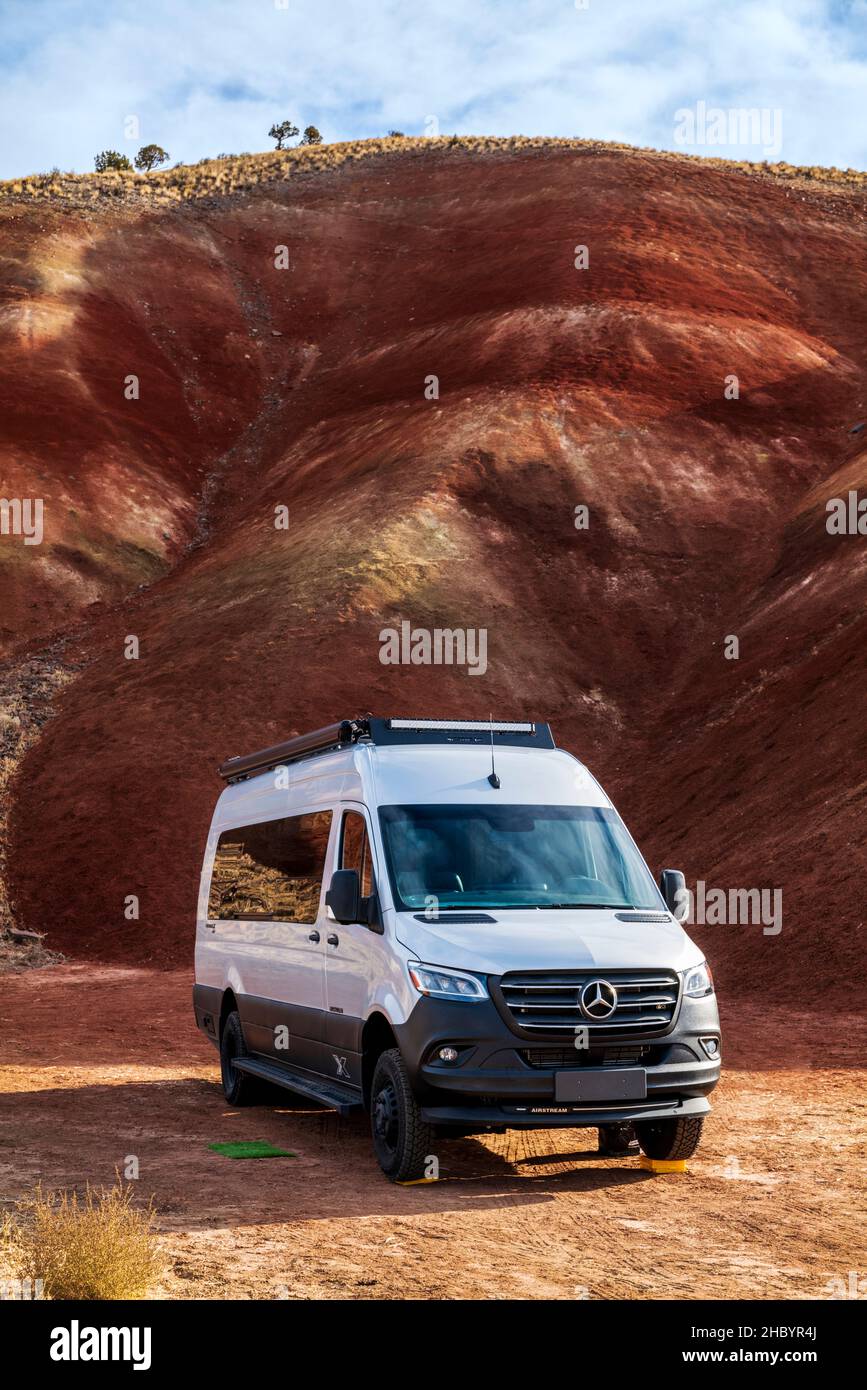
<point>528,907</point>
<point>464,907</point>
<point>557,906</point>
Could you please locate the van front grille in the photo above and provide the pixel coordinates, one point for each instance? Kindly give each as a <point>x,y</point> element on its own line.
<point>554,1058</point>
<point>550,1001</point>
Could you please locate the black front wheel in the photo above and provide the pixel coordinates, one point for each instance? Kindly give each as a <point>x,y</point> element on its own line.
<point>669,1139</point>
<point>402,1140</point>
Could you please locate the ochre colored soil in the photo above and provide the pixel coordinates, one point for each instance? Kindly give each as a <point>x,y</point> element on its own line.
<point>108,1065</point>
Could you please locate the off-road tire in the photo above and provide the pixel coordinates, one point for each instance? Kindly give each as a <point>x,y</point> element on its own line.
<point>239,1088</point>
<point>669,1139</point>
<point>402,1140</point>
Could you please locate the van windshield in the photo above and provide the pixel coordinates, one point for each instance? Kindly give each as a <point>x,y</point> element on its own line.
<point>513,856</point>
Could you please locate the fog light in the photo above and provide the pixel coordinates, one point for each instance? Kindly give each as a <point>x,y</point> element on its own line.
<point>711,1046</point>
<point>448,1054</point>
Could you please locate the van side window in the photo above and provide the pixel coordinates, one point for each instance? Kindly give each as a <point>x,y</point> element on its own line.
<point>355,850</point>
<point>271,871</point>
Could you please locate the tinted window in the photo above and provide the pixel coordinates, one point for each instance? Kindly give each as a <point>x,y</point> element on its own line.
<point>355,850</point>
<point>272,870</point>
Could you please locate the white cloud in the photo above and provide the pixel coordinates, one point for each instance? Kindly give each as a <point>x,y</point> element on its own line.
<point>618,70</point>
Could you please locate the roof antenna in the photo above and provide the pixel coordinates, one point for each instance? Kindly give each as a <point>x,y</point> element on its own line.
<point>492,775</point>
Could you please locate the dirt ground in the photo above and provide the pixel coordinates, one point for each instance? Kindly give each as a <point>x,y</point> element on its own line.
<point>107,1064</point>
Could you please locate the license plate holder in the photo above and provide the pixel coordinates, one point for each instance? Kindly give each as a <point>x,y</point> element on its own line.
<point>611,1085</point>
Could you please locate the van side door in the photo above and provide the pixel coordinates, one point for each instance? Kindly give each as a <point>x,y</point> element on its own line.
<point>355,957</point>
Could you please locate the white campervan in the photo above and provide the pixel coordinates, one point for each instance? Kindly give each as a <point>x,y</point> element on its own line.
<point>447,923</point>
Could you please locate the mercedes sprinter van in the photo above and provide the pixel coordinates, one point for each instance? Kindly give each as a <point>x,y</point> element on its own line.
<point>448,924</point>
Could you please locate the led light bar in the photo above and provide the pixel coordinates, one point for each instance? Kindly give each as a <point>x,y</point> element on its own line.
<point>370,730</point>
<point>470,726</point>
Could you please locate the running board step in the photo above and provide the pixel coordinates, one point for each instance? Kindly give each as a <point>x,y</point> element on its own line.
<point>343,1099</point>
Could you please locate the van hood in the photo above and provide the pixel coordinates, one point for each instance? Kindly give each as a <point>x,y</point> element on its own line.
<point>591,939</point>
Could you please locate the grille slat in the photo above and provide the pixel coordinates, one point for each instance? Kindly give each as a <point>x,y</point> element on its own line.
<point>521,983</point>
<point>622,1004</point>
<point>549,1001</point>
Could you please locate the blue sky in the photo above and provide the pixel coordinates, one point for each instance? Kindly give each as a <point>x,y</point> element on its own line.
<point>203,77</point>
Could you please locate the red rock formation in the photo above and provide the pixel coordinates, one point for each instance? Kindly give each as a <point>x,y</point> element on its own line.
<point>304,388</point>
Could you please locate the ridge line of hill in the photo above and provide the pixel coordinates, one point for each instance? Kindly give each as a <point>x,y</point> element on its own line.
<point>242,173</point>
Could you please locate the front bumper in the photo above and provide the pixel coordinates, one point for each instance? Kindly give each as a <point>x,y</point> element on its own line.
<point>561,1116</point>
<point>502,1079</point>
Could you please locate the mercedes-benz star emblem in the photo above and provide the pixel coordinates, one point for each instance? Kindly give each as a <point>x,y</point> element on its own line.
<point>598,999</point>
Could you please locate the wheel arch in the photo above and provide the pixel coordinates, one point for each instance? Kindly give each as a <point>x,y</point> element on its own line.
<point>377,1036</point>
<point>228,1005</point>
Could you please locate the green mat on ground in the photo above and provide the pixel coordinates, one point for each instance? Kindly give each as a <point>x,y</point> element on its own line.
<point>253,1148</point>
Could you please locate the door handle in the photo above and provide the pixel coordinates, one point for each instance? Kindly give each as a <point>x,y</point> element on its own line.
<point>333,939</point>
<point>314,936</point>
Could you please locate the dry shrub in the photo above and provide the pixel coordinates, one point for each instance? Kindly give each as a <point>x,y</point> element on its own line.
<point>24,955</point>
<point>96,1247</point>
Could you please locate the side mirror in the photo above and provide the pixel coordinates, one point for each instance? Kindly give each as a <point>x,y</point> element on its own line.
<point>344,896</point>
<point>672,885</point>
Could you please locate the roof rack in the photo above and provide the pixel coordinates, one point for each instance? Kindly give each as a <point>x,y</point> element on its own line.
<point>520,734</point>
<point>333,736</point>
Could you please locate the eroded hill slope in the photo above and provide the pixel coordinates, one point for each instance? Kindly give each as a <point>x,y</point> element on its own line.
<point>296,379</point>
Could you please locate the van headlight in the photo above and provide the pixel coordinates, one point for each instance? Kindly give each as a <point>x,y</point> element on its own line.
<point>446,984</point>
<point>698,981</point>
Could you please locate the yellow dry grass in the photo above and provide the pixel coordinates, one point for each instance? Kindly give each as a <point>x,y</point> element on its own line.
<point>98,1246</point>
<point>240,173</point>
